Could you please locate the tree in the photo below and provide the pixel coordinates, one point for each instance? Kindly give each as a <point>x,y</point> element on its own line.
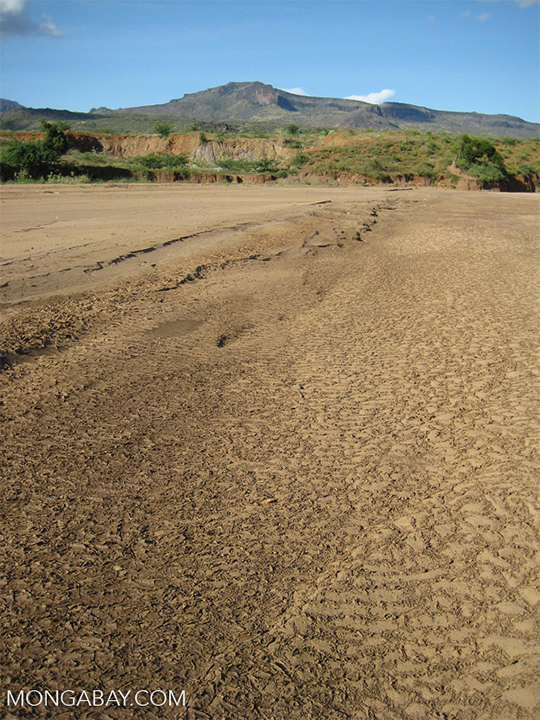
<point>480,158</point>
<point>163,129</point>
<point>292,129</point>
<point>477,151</point>
<point>55,140</point>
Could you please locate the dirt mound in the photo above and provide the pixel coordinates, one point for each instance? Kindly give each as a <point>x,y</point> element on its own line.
<point>465,182</point>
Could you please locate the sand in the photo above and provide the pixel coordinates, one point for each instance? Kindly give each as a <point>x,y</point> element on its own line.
<point>287,463</point>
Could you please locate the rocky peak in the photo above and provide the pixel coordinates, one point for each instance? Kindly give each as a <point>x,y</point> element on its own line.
<point>260,94</point>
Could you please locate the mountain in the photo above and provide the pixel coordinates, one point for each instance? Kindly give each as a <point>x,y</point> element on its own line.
<point>8,105</point>
<point>412,116</point>
<point>22,119</point>
<point>255,102</point>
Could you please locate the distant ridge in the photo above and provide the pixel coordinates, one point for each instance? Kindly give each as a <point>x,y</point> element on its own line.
<point>256,102</point>
<point>8,105</point>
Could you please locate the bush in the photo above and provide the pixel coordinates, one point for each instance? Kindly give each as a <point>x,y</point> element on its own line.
<point>37,158</point>
<point>292,142</point>
<point>30,156</point>
<point>376,170</point>
<point>299,160</point>
<point>480,158</point>
<point>487,174</point>
<point>265,165</point>
<point>292,129</point>
<point>425,169</point>
<point>161,161</point>
<point>527,169</point>
<point>55,139</point>
<point>477,151</point>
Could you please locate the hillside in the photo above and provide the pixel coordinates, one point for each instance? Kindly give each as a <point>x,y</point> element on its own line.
<point>319,156</point>
<point>239,105</point>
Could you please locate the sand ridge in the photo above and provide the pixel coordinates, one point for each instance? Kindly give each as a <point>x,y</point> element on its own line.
<point>295,475</point>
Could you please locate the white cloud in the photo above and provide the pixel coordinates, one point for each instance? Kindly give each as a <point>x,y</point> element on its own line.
<point>295,91</point>
<point>374,98</point>
<point>12,6</point>
<point>15,20</point>
<point>48,27</point>
<point>483,17</point>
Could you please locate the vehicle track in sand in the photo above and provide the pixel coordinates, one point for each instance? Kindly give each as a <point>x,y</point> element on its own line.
<point>301,484</point>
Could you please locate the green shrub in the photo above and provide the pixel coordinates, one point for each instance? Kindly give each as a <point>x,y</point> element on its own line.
<point>480,158</point>
<point>299,160</point>
<point>426,170</point>
<point>292,129</point>
<point>236,165</point>
<point>487,174</point>
<point>527,169</point>
<point>266,166</point>
<point>477,151</point>
<point>37,158</point>
<point>161,161</point>
<point>376,170</point>
<point>259,133</point>
<point>55,139</point>
<point>292,142</point>
<point>30,156</point>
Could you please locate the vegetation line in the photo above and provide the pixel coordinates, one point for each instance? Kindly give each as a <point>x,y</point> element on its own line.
<point>293,153</point>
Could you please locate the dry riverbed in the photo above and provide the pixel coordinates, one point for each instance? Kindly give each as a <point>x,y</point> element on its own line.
<point>276,447</point>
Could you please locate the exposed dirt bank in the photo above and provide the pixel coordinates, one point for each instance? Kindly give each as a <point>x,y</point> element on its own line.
<point>135,146</point>
<point>211,152</point>
<point>293,472</point>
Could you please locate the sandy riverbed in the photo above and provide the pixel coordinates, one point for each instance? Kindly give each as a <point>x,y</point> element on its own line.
<point>277,447</point>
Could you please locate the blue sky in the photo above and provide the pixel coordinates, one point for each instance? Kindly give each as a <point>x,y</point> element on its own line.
<point>481,55</point>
